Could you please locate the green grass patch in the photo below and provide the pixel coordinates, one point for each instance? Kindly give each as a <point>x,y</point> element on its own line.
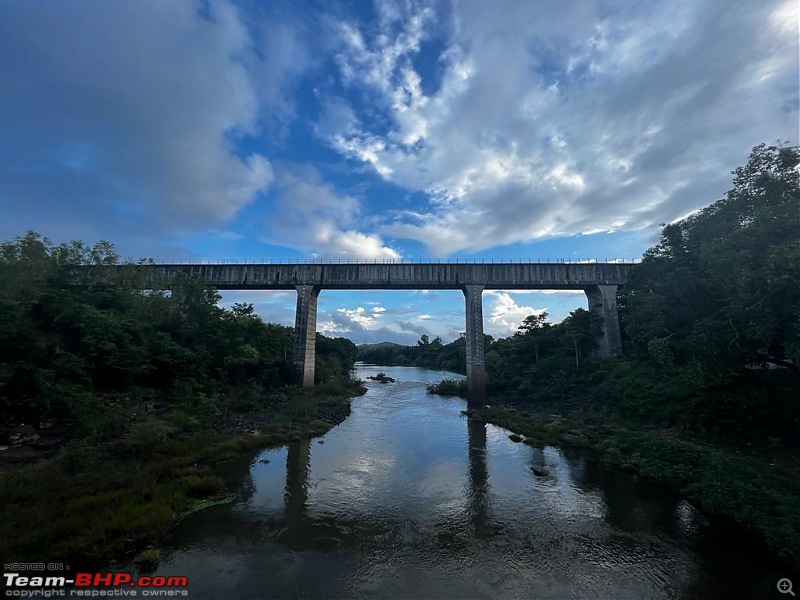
<point>203,504</point>
<point>148,560</point>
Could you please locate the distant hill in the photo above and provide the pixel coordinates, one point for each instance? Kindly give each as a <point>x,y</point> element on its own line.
<point>368,347</point>
<point>431,355</point>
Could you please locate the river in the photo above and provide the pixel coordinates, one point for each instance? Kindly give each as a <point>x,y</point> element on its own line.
<point>409,499</point>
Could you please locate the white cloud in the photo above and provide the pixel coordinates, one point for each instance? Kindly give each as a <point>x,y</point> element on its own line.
<point>359,316</point>
<point>413,327</point>
<point>309,214</point>
<point>551,121</point>
<point>506,315</point>
<point>350,320</point>
<point>363,327</point>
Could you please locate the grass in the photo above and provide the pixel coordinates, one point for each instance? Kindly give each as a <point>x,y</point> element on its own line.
<point>148,560</point>
<point>92,504</point>
<point>209,502</point>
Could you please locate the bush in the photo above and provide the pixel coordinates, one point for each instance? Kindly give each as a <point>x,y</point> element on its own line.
<point>448,387</point>
<point>148,559</point>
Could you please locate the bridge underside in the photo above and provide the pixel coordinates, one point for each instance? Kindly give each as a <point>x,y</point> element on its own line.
<point>599,281</point>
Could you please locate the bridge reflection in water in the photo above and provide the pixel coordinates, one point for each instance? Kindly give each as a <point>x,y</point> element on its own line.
<point>302,531</point>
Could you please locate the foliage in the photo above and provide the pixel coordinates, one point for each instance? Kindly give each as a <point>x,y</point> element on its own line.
<point>763,497</point>
<point>429,354</point>
<point>448,387</point>
<point>147,560</point>
<point>721,287</point>
<point>93,351</point>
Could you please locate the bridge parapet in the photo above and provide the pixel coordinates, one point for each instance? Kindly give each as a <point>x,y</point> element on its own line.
<point>401,275</point>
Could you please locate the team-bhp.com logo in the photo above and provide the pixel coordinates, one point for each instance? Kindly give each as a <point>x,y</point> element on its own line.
<point>94,585</point>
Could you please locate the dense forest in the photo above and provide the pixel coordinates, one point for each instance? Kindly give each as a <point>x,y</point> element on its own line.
<point>89,355</point>
<point>710,322</point>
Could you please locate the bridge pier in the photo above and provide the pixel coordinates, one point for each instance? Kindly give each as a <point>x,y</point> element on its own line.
<point>603,303</point>
<point>305,335</point>
<point>476,369</point>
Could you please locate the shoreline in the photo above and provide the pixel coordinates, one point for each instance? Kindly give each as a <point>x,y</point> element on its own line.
<point>762,498</point>
<point>99,506</point>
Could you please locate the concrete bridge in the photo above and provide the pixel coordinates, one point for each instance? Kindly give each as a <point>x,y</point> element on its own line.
<point>599,281</point>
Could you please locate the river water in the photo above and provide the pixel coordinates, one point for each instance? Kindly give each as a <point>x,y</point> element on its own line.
<point>409,499</point>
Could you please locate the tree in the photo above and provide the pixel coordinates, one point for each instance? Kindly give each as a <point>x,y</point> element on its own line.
<point>582,328</point>
<point>720,289</point>
<point>242,309</point>
<point>532,328</point>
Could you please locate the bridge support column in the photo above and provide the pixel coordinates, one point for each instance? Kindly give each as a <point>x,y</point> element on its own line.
<point>305,335</point>
<point>603,303</point>
<point>476,370</point>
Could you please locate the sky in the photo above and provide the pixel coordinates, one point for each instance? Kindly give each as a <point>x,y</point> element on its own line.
<point>386,130</point>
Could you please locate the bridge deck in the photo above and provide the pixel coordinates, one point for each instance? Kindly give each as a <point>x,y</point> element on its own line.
<point>401,275</point>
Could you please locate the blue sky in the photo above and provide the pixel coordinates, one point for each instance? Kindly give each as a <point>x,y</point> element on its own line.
<point>388,130</point>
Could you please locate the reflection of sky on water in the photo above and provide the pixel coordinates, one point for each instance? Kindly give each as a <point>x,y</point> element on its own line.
<point>535,498</point>
<point>407,498</point>
<point>269,480</point>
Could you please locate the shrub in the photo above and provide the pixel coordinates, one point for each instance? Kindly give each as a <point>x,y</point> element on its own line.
<point>148,560</point>
<point>448,387</point>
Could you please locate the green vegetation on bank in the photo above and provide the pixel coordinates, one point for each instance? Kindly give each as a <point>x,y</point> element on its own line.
<point>91,504</point>
<point>448,387</point>
<point>704,398</point>
<point>143,390</point>
<point>710,323</point>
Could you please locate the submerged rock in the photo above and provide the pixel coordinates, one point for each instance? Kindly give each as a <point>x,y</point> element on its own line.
<point>515,438</point>
<point>539,472</point>
<point>24,434</point>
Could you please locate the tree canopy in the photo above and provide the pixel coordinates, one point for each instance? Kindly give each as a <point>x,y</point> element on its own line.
<point>65,349</point>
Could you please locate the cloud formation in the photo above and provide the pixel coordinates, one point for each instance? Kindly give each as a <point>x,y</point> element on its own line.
<point>576,118</point>
<point>411,128</point>
<point>310,214</point>
<point>506,315</point>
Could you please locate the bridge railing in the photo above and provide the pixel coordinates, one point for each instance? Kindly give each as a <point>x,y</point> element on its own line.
<point>381,261</point>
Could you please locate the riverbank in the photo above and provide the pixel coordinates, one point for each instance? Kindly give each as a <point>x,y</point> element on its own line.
<point>88,506</point>
<point>763,497</point>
